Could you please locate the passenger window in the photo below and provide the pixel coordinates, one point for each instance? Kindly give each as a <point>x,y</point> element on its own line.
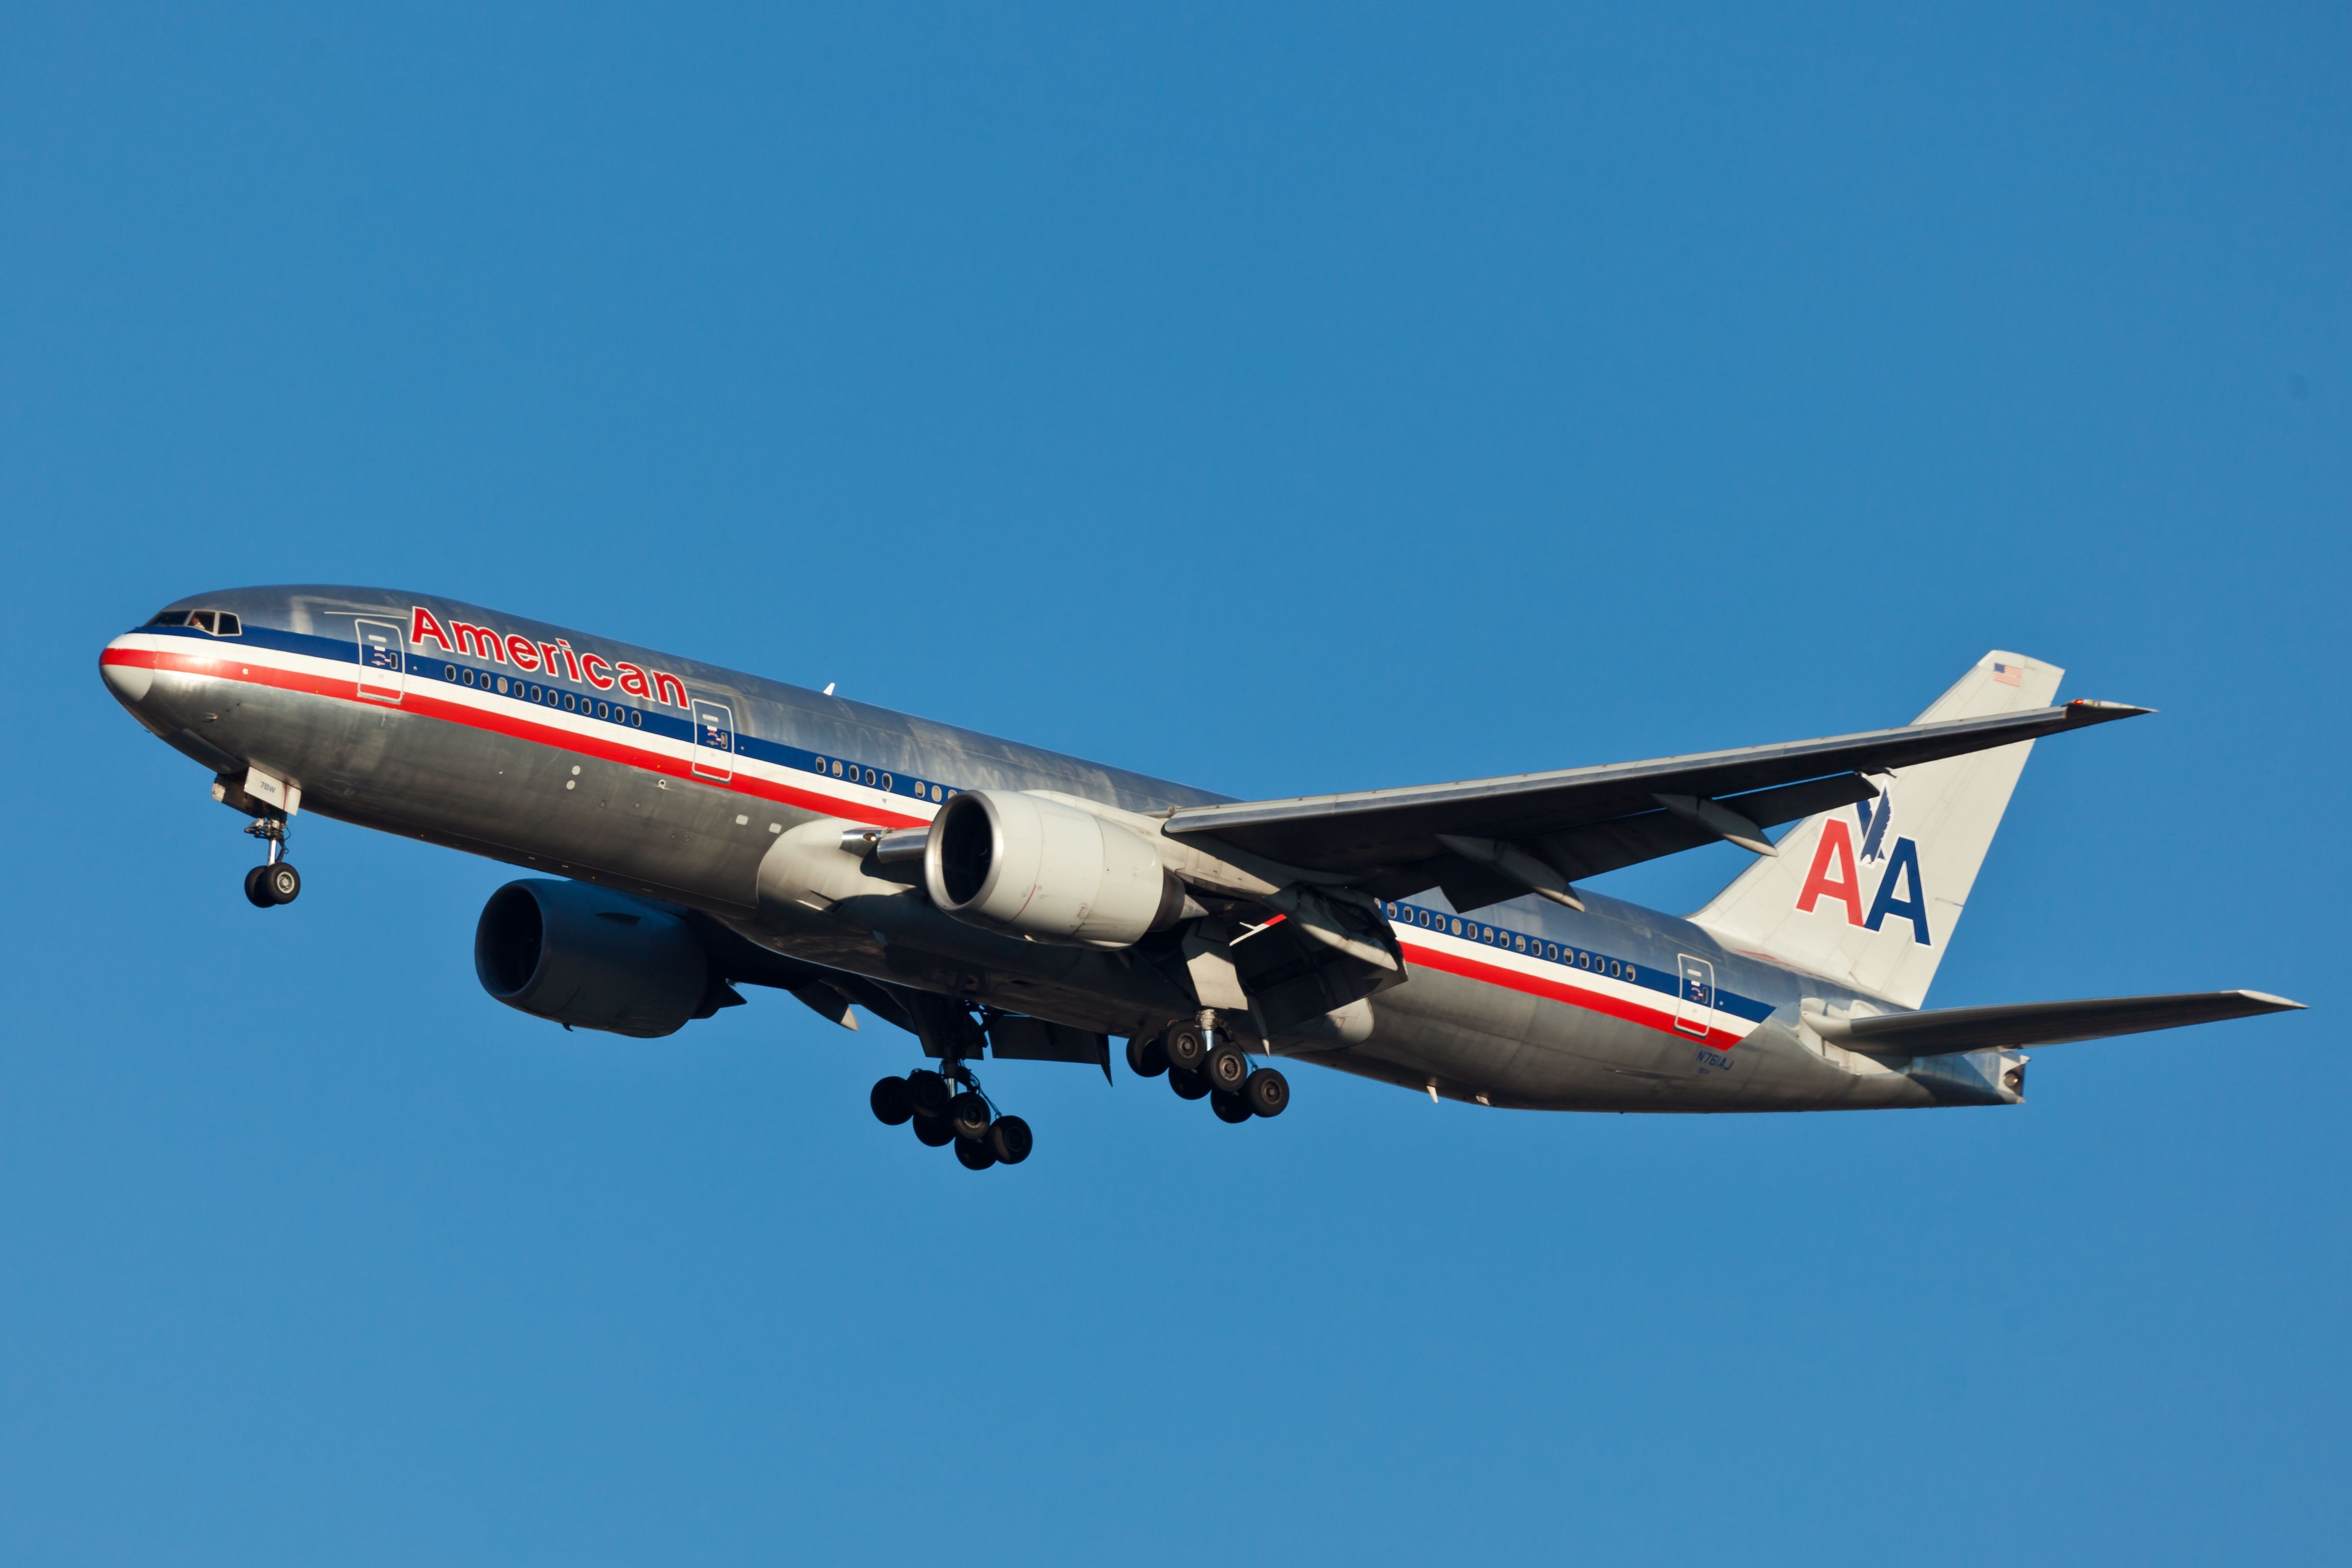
<point>636,718</point>
<point>1584,960</point>
<point>1518,944</point>
<point>869,775</point>
<point>837,767</point>
<point>818,764</point>
<point>569,701</point>
<point>448,672</point>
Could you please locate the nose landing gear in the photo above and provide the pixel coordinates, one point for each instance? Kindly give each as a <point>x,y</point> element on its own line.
<point>274,881</point>
<point>942,1114</point>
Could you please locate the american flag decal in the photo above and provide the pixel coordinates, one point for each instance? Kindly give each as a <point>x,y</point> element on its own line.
<point>2007,674</point>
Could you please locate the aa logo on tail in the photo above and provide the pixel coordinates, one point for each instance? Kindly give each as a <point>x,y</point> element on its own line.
<point>1836,875</point>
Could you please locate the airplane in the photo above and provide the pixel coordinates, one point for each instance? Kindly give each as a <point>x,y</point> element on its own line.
<point>692,829</point>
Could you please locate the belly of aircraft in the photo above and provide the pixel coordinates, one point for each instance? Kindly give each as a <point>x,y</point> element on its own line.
<point>1470,1040</point>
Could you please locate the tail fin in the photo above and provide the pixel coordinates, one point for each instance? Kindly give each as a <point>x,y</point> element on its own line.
<point>1867,895</point>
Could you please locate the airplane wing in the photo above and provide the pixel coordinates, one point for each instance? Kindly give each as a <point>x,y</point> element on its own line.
<point>1950,1029</point>
<point>1488,839</point>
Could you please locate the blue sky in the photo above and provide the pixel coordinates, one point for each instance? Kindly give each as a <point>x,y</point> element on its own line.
<point>1280,403</point>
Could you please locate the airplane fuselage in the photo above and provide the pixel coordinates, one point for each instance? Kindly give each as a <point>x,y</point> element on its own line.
<point>580,757</point>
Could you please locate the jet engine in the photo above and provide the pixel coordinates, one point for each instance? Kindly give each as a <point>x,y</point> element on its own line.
<point>1035,868</point>
<point>578,955</point>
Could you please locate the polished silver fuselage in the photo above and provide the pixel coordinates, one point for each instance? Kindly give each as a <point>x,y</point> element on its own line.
<point>438,752</point>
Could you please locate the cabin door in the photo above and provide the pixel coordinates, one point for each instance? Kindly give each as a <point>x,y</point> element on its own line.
<point>1695,1005</point>
<point>384,660</point>
<point>714,741</point>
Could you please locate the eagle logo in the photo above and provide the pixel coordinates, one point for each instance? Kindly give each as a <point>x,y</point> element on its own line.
<point>1873,824</point>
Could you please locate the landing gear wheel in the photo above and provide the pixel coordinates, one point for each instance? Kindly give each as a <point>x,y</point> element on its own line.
<point>254,893</point>
<point>1146,1058</point>
<point>1009,1140</point>
<point>934,1130</point>
<point>1185,1048</point>
<point>928,1094</point>
<point>282,882</point>
<point>1226,1069</point>
<point>892,1108</point>
<point>1230,1108</point>
<point>1188,1084</point>
<point>974,1156</point>
<point>967,1115</point>
<point>1267,1092</point>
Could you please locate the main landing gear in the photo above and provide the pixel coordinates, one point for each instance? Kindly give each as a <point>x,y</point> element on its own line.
<point>274,881</point>
<point>1201,1065</point>
<point>948,1106</point>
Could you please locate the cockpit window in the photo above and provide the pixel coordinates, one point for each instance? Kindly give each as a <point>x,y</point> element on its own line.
<point>218,623</point>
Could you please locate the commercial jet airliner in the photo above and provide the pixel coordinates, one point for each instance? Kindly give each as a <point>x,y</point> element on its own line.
<point>693,829</point>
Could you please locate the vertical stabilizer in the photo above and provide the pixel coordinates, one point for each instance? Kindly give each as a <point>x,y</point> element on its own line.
<point>1867,895</point>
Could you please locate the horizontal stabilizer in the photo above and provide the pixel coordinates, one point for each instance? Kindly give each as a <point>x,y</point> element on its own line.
<point>1951,1029</point>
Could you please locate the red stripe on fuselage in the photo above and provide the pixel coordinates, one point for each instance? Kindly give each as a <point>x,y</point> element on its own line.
<point>424,704</point>
<point>1574,996</point>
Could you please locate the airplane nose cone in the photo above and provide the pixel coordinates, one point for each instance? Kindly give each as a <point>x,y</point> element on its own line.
<point>129,682</point>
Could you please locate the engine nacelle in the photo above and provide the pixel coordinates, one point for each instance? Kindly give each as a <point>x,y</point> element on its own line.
<point>574,953</point>
<point>1017,863</point>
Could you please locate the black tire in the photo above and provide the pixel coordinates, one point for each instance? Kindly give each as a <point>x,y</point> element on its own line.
<point>891,1106</point>
<point>1184,1046</point>
<point>253,891</point>
<point>1187,1084</point>
<point>1226,1069</point>
<point>1230,1108</point>
<point>934,1130</point>
<point>1147,1057</point>
<point>928,1094</point>
<point>282,882</point>
<point>1009,1140</point>
<point>974,1155</point>
<point>968,1114</point>
<point>1267,1092</point>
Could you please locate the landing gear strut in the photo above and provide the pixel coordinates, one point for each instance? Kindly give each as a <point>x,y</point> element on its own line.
<point>950,1107</point>
<point>1202,1063</point>
<point>274,881</point>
